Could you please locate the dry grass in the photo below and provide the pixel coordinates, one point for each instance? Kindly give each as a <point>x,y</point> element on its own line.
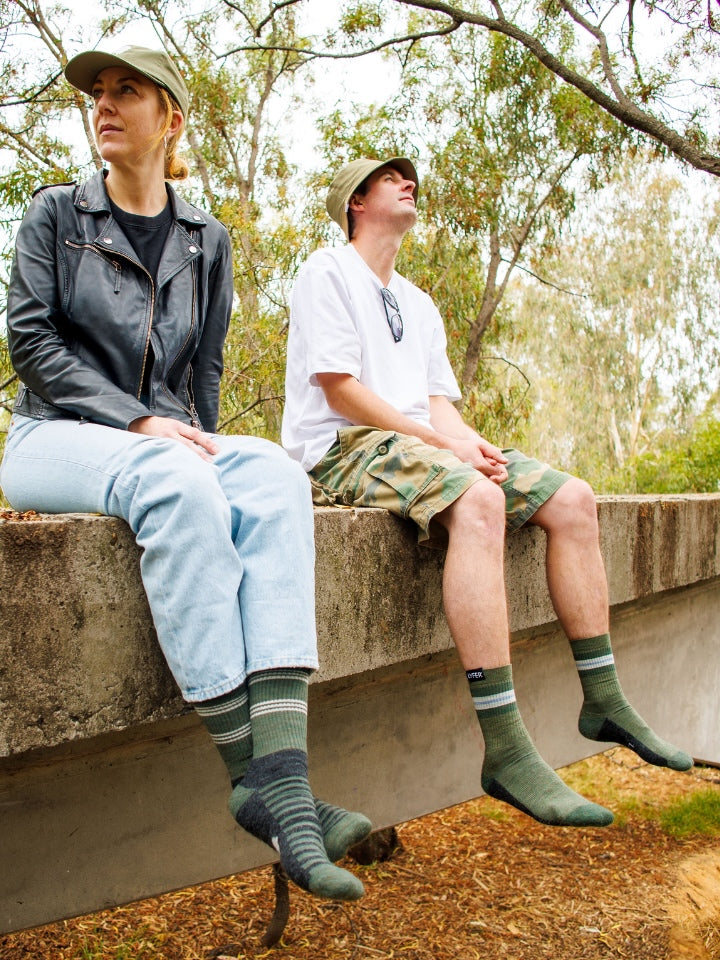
<point>476,881</point>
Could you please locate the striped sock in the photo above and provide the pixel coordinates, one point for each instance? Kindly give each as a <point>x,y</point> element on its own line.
<point>607,716</point>
<point>227,719</point>
<point>278,709</point>
<point>274,802</point>
<point>340,828</point>
<point>513,770</point>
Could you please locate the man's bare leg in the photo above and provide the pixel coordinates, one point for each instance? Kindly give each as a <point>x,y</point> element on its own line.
<point>473,578</point>
<point>578,590</point>
<point>476,610</point>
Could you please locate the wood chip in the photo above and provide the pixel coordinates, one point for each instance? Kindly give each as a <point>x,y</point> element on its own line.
<point>466,886</point>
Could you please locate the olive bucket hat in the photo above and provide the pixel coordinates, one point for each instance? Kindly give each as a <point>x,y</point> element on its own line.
<point>156,65</point>
<point>352,175</point>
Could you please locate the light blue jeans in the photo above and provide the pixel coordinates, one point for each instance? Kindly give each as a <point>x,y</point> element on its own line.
<point>227,547</point>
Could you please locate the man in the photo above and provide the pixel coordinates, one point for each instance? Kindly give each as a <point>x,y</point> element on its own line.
<point>369,414</point>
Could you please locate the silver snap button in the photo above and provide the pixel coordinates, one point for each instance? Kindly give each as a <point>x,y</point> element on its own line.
<point>107,239</point>
<point>192,248</point>
<point>197,217</point>
<point>382,448</point>
<point>83,203</point>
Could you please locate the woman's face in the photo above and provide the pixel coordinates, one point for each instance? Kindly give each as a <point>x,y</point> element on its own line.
<point>127,116</point>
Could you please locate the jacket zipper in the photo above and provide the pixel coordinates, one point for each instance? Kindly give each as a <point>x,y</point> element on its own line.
<point>188,383</point>
<point>101,252</point>
<point>191,411</point>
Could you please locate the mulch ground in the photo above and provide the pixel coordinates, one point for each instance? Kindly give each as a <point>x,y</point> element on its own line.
<point>479,880</point>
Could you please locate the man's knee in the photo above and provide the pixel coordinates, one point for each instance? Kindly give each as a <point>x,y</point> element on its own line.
<point>579,496</point>
<point>481,509</point>
<point>573,505</point>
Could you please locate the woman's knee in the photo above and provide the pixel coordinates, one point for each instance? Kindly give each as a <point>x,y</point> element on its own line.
<point>264,460</point>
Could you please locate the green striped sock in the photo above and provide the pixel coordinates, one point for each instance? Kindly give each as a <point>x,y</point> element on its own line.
<point>227,719</point>
<point>340,828</point>
<point>513,770</point>
<point>278,709</point>
<point>274,804</point>
<point>274,801</point>
<point>606,715</point>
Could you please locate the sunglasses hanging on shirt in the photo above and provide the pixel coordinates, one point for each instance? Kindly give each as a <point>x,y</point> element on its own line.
<point>392,313</point>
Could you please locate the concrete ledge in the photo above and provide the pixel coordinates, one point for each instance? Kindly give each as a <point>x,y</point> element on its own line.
<point>78,655</point>
<point>110,790</point>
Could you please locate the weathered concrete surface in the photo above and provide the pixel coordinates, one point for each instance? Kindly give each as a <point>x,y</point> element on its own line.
<point>110,790</point>
<point>78,655</point>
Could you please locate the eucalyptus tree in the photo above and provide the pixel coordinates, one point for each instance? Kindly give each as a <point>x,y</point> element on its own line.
<point>651,66</point>
<point>625,347</point>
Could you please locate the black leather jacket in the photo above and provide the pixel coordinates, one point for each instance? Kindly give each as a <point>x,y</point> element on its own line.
<point>82,313</point>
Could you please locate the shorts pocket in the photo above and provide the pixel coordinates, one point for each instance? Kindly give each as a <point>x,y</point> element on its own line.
<point>398,475</point>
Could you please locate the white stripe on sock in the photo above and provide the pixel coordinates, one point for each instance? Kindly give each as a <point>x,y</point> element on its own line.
<point>501,699</point>
<point>592,663</point>
<point>218,709</point>
<point>232,736</point>
<point>278,706</point>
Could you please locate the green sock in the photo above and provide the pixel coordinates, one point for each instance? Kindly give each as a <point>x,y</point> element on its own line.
<point>513,770</point>
<point>607,716</point>
<point>340,828</point>
<point>227,719</point>
<point>274,801</point>
<point>278,709</point>
<point>274,804</point>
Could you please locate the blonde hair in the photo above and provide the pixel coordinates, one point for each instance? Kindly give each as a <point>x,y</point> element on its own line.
<point>176,167</point>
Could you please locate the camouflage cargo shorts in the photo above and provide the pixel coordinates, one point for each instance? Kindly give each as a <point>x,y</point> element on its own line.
<point>378,468</point>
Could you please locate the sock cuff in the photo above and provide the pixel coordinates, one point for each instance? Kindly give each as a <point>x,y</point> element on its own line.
<point>502,676</point>
<point>226,702</point>
<point>493,690</point>
<point>593,653</point>
<point>280,675</point>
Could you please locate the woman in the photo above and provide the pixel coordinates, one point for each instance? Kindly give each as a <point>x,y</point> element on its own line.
<point>118,307</point>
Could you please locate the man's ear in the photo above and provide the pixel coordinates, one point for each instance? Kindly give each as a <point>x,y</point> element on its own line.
<point>356,201</point>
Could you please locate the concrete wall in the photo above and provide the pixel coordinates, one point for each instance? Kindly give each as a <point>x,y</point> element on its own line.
<point>110,790</point>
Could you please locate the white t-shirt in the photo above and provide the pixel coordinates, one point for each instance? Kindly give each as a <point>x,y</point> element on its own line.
<point>338,325</point>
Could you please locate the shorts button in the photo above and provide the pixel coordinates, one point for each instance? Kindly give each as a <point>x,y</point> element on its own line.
<point>382,448</point>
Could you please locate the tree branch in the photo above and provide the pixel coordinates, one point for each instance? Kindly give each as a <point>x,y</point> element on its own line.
<point>257,29</point>
<point>26,147</point>
<point>310,54</point>
<point>33,97</point>
<point>627,113</point>
<point>601,41</point>
<point>255,403</point>
<point>547,283</point>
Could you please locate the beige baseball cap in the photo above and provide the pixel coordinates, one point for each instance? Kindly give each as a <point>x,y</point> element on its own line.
<point>82,70</point>
<point>352,175</point>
